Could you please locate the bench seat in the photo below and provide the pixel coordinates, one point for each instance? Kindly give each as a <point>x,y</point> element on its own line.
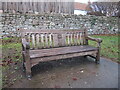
<point>61,51</point>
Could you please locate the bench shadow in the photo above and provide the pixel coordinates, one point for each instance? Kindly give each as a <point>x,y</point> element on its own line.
<point>69,62</point>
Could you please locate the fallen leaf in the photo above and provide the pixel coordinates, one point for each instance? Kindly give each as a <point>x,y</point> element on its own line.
<point>57,86</point>
<point>17,57</point>
<point>74,78</point>
<point>93,72</point>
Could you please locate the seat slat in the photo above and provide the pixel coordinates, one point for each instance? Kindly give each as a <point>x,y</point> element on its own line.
<point>60,51</point>
<point>57,57</point>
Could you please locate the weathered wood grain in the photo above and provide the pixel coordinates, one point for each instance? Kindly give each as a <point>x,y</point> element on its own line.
<point>55,40</point>
<point>35,61</point>
<point>50,40</point>
<point>52,31</point>
<point>46,41</point>
<point>42,40</point>
<point>60,50</point>
<point>33,41</point>
<point>37,41</point>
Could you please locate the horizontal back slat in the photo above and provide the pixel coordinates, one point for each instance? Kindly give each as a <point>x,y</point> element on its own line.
<point>51,31</point>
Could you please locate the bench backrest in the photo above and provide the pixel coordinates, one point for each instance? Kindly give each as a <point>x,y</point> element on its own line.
<point>54,38</point>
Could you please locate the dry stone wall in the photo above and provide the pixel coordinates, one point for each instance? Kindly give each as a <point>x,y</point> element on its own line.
<point>9,23</point>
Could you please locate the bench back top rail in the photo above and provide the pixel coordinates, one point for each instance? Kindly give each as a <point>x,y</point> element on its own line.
<point>54,38</point>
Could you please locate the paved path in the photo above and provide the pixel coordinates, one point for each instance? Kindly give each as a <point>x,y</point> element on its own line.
<point>73,73</point>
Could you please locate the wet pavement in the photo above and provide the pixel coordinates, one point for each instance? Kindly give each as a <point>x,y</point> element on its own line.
<point>76,72</point>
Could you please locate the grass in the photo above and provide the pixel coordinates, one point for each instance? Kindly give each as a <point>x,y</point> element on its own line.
<point>11,57</point>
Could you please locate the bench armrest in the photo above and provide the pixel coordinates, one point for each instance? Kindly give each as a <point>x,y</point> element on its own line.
<point>25,44</point>
<point>99,40</point>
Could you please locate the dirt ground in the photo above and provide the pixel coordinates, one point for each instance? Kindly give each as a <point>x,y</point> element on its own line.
<point>76,72</point>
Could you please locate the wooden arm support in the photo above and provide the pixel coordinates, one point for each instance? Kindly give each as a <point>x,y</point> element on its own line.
<point>25,44</point>
<point>98,40</point>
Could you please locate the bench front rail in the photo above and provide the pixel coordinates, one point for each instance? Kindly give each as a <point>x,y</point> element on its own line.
<point>45,45</point>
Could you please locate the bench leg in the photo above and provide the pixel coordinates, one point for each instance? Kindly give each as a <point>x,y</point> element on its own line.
<point>28,71</point>
<point>28,66</point>
<point>28,75</point>
<point>23,67</point>
<point>23,63</point>
<point>98,58</point>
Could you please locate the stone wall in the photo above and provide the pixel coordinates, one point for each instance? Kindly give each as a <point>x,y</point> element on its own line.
<point>94,24</point>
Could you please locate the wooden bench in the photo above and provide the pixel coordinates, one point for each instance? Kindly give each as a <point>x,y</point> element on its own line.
<point>46,45</point>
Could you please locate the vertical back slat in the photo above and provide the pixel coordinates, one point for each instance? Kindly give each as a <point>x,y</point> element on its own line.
<point>50,40</point>
<point>38,40</point>
<point>80,38</point>
<point>78,43</point>
<point>68,39</point>
<point>83,41</point>
<point>86,34</point>
<point>75,41</point>
<point>71,39</point>
<point>55,40</point>
<point>63,39</point>
<point>46,40</point>
<point>42,40</point>
<point>33,40</point>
